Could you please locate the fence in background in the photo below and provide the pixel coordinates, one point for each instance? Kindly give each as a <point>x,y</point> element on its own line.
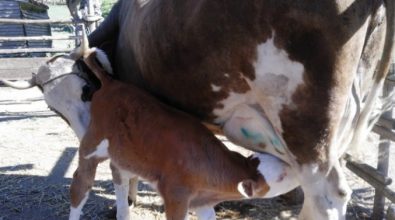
<point>378,177</point>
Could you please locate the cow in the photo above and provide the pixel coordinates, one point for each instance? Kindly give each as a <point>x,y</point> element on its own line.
<point>297,79</point>
<point>187,164</point>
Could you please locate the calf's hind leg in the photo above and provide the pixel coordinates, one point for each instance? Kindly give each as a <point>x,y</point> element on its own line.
<point>121,187</point>
<point>83,179</point>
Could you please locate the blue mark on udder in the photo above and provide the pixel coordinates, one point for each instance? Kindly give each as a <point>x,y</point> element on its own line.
<point>255,137</point>
<point>276,142</point>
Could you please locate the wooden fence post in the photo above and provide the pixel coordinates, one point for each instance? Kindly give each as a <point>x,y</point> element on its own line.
<point>383,159</point>
<point>391,212</point>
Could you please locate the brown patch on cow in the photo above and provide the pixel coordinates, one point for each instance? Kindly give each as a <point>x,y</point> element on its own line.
<point>200,47</point>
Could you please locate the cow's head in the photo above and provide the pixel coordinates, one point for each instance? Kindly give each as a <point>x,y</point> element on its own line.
<point>67,86</point>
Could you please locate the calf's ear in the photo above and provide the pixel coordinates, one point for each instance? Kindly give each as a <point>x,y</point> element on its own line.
<point>246,188</point>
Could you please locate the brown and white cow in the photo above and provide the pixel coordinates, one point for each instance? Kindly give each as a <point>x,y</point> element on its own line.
<point>313,75</point>
<point>188,165</point>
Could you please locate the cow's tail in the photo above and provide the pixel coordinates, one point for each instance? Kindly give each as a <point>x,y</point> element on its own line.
<point>370,113</point>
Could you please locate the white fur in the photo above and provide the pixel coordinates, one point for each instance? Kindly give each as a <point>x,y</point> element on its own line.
<point>76,212</point>
<point>215,88</point>
<point>241,190</point>
<point>278,175</point>
<point>277,78</point>
<point>121,194</point>
<point>205,213</point>
<point>64,94</point>
<point>101,150</point>
<point>103,59</point>
<point>321,193</point>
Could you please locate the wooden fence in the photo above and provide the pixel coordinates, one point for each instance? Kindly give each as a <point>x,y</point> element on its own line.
<point>378,177</point>
<point>89,22</point>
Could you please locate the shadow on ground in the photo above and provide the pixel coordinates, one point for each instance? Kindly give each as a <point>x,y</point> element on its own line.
<point>40,197</point>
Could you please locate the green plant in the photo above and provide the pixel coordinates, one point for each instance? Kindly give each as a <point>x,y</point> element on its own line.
<point>106,7</point>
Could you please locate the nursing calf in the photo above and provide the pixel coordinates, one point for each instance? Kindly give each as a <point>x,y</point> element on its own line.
<point>187,164</point>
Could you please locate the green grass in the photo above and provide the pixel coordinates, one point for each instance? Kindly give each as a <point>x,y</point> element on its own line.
<point>106,7</point>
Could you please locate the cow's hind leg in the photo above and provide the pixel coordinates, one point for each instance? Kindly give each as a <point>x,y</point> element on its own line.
<point>326,194</point>
<point>83,179</point>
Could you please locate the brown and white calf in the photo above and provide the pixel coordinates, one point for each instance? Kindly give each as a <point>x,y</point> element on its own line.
<point>67,87</point>
<point>187,164</point>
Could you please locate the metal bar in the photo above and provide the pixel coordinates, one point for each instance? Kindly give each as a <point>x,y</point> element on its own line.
<point>34,50</point>
<point>38,38</point>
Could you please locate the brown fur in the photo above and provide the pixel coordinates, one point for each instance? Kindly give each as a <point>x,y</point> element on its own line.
<point>177,49</point>
<point>189,164</point>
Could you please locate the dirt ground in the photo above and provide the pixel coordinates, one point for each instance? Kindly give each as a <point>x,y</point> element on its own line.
<point>38,154</point>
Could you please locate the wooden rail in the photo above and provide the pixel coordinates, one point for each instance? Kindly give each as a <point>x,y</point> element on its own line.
<point>90,20</point>
<point>48,21</point>
<point>38,38</point>
<point>35,50</point>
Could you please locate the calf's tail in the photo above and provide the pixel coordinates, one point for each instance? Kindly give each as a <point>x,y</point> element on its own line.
<point>92,57</point>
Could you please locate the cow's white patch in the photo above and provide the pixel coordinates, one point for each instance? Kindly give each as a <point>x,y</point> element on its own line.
<point>277,78</point>
<point>226,75</point>
<point>259,127</point>
<point>101,150</point>
<point>215,88</point>
<point>278,175</point>
<point>76,212</point>
<point>64,95</point>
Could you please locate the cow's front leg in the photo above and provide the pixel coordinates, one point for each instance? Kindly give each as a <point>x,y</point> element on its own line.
<point>326,194</point>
